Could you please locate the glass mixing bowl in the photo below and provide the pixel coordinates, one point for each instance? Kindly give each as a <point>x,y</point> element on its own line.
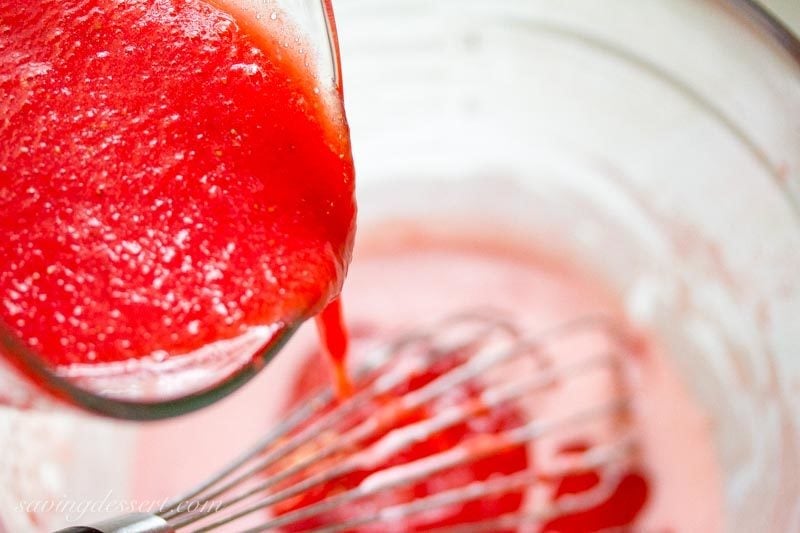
<point>655,143</point>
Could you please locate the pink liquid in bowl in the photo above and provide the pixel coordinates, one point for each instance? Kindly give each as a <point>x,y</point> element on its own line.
<point>402,278</point>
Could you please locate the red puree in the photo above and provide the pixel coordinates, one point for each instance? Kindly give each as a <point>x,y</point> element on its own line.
<point>168,178</point>
<point>511,459</point>
<point>333,336</point>
<point>618,510</point>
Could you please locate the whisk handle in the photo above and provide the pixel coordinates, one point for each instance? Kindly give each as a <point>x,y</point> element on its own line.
<point>129,523</point>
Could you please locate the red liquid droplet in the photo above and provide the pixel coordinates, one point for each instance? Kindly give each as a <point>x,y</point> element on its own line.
<point>619,510</point>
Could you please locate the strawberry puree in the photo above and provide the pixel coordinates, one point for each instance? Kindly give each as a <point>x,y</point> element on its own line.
<point>168,179</point>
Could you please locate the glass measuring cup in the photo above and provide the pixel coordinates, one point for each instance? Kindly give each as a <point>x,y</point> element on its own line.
<point>160,385</point>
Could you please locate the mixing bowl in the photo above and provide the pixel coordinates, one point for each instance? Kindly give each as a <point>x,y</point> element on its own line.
<point>653,143</point>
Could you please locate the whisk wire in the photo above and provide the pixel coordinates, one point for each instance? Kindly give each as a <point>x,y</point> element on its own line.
<point>324,440</point>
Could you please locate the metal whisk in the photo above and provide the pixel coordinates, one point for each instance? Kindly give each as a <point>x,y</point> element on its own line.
<point>567,413</point>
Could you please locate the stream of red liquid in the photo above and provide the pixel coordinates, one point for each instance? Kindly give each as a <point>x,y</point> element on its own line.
<point>333,339</point>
